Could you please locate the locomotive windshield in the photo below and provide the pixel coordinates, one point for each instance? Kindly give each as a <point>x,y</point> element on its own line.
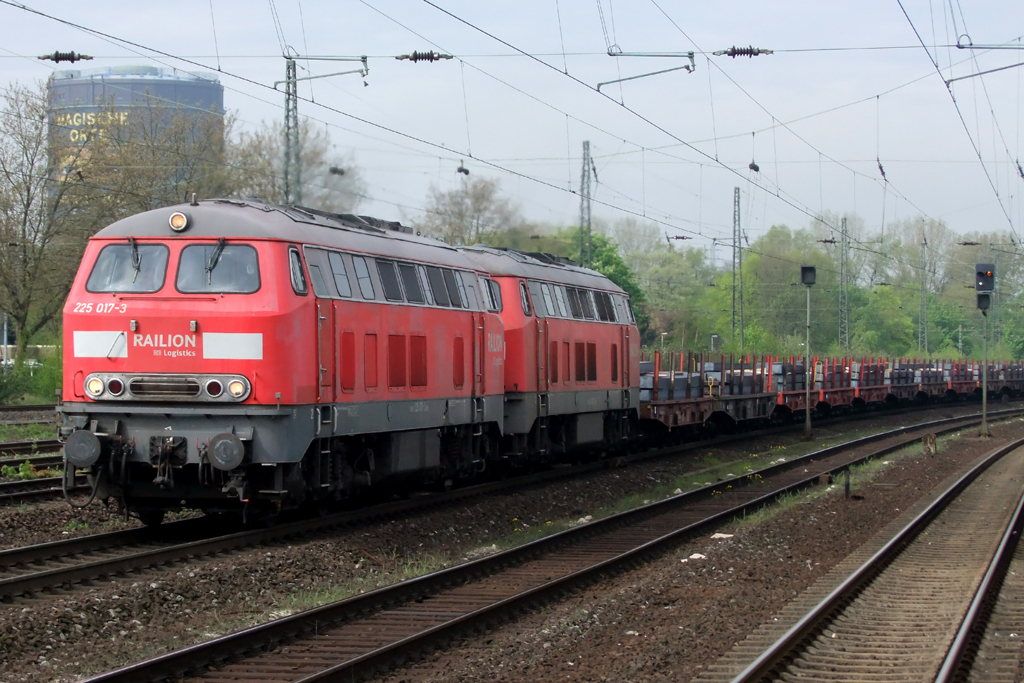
<point>218,268</point>
<point>129,268</point>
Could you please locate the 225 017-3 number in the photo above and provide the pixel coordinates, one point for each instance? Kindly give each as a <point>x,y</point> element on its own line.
<point>83,307</point>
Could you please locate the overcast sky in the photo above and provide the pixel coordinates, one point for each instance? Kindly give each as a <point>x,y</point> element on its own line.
<point>668,147</point>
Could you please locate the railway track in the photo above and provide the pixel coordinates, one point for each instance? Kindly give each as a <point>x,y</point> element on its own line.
<point>913,610</point>
<point>23,491</point>
<point>30,569</point>
<point>35,408</point>
<point>12,448</point>
<point>354,636</point>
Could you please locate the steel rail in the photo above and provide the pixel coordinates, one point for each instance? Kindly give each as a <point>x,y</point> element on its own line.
<point>38,408</point>
<point>956,664</point>
<point>35,446</point>
<point>31,489</point>
<point>765,664</point>
<point>207,545</point>
<point>259,638</point>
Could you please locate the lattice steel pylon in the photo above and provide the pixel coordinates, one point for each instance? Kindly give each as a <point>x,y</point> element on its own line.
<point>737,269</point>
<point>844,287</point>
<point>292,151</point>
<point>586,245</point>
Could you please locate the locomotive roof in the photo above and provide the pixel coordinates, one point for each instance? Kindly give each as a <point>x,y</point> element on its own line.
<point>254,219</point>
<point>537,267</point>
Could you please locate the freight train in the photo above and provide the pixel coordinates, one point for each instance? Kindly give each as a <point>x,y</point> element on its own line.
<point>239,356</point>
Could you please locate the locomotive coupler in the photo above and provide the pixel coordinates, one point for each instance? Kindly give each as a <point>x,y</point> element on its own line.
<point>166,453</point>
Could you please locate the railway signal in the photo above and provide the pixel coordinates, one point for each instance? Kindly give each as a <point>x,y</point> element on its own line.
<point>986,278</point>
<point>808,276</point>
<point>985,283</point>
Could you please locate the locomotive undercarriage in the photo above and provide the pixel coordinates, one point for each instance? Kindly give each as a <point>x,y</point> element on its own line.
<point>155,459</point>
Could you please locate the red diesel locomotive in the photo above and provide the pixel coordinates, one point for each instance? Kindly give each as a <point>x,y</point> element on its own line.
<point>229,355</point>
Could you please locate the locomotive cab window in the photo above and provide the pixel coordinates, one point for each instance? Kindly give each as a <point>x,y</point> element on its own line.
<point>227,269</point>
<point>129,268</point>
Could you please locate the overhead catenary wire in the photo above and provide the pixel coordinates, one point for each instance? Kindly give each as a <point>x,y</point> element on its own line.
<point>393,131</point>
<point>974,144</point>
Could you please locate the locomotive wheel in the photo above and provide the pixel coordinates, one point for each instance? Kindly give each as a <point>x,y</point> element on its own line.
<point>151,517</point>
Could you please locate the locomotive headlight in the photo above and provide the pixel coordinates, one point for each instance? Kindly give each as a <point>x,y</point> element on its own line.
<point>236,388</point>
<point>94,386</point>
<point>178,221</point>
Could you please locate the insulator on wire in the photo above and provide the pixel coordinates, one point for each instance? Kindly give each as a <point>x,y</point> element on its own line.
<point>424,56</point>
<point>65,57</point>
<point>749,51</point>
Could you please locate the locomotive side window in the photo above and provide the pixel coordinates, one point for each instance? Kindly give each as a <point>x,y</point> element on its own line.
<point>468,289</point>
<point>574,303</point>
<point>629,309</point>
<point>411,283</point>
<point>524,298</point>
<point>587,303</point>
<point>363,277</point>
<point>437,286</point>
<point>319,285</point>
<point>294,269</point>
<point>129,268</point>
<point>227,269</point>
<point>563,308</point>
<point>496,293</point>
<point>340,274</point>
<point>549,304</point>
<point>602,311</point>
<point>453,288</point>
<point>485,287</point>
<point>609,304</point>
<point>389,279</point>
<point>425,284</point>
<point>536,298</point>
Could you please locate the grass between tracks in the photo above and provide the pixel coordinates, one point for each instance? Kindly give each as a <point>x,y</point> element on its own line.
<point>27,432</point>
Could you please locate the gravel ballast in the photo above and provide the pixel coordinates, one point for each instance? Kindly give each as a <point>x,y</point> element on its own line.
<point>681,614</point>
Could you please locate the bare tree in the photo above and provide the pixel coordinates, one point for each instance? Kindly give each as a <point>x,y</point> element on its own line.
<point>463,215</point>
<point>330,180</point>
<point>45,216</point>
<point>158,155</point>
